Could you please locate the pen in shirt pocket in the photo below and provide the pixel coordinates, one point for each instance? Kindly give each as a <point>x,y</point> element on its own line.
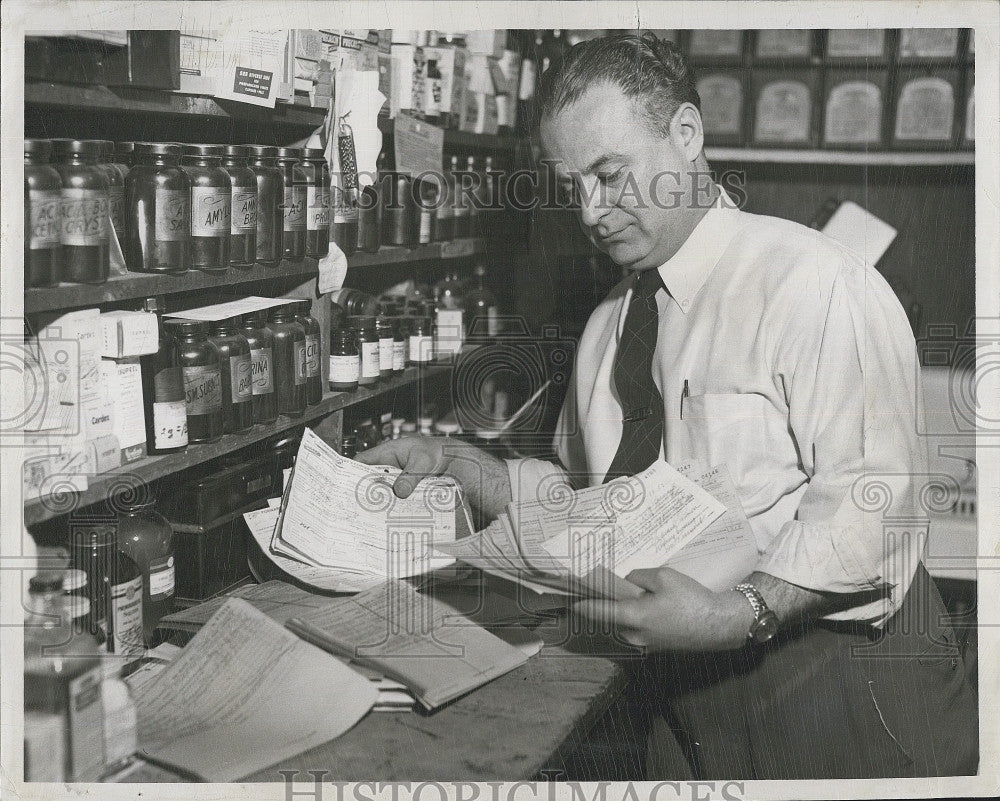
<point>684,393</point>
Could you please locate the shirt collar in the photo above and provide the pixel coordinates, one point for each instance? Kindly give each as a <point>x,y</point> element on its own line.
<point>686,271</point>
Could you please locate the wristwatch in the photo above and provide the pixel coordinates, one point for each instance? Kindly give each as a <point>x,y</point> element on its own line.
<point>765,624</point>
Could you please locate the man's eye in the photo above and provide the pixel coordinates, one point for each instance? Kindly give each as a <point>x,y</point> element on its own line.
<point>610,178</point>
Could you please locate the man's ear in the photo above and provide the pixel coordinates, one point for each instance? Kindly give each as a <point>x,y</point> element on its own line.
<point>687,132</point>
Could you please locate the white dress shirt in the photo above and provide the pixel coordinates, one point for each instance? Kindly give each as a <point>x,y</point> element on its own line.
<point>802,379</point>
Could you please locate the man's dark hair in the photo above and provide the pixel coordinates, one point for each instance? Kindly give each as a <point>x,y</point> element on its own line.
<point>651,71</point>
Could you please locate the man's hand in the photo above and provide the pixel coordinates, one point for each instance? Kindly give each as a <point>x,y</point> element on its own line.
<point>483,477</point>
<point>676,613</point>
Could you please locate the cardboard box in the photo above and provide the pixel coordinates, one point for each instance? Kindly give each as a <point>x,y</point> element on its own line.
<point>854,107</point>
<point>128,333</point>
<point>124,378</point>
<point>486,42</point>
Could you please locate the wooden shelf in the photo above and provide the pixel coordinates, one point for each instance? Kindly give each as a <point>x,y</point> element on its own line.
<point>153,468</point>
<point>874,158</point>
<point>140,285</point>
<point>463,140</point>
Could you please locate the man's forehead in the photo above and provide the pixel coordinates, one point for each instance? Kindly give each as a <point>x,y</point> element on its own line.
<point>598,123</point>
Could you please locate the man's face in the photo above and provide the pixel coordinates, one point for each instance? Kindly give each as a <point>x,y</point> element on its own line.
<point>617,167</point>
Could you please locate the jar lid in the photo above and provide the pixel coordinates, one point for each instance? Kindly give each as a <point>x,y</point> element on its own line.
<point>284,310</point>
<point>85,147</point>
<point>313,154</point>
<point>182,326</point>
<point>293,153</point>
<point>73,579</point>
<point>359,321</point>
<point>264,151</point>
<point>254,319</point>
<point>227,324</point>
<point>125,147</point>
<point>107,146</point>
<point>158,148</point>
<point>303,306</point>
<point>237,151</point>
<point>91,536</point>
<point>448,427</point>
<point>49,581</point>
<point>204,150</point>
<point>38,147</point>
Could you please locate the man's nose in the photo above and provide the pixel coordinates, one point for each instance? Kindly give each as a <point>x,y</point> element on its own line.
<point>594,204</point>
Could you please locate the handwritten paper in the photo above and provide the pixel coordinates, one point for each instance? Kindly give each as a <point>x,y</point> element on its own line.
<point>233,308</point>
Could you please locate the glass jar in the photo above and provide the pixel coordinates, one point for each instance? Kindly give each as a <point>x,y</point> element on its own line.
<point>420,341</point>
<point>116,187</point>
<point>293,236</point>
<point>314,346</point>
<point>145,536</point>
<point>158,211</point>
<point>384,331</point>
<point>264,402</point>
<point>317,176</point>
<point>42,201</point>
<point>368,220</point>
<point>368,349</point>
<point>123,158</point>
<point>400,224</point>
<point>211,207</point>
<point>83,232</point>
<point>355,302</point>
<point>344,211</point>
<point>198,359</point>
<point>270,203</point>
<point>237,380</point>
<point>163,398</point>
<point>243,214</point>
<point>345,361</point>
<point>289,360</point>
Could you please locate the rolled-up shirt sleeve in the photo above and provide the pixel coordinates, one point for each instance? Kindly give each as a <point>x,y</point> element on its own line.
<point>850,379</point>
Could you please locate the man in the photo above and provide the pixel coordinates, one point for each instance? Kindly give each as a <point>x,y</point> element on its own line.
<point>761,345</point>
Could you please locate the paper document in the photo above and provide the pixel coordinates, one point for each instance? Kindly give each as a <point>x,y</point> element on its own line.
<point>244,694</point>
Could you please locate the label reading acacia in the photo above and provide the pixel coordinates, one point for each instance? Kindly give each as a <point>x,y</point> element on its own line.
<point>317,209</point>
<point>84,217</point>
<point>244,211</point>
<point>260,370</point>
<point>295,208</point>
<point>43,218</point>
<point>299,357</point>
<point>241,373</point>
<point>172,214</point>
<point>202,389</point>
<point>210,211</point>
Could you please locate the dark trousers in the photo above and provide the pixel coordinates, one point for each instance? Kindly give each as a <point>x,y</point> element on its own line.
<point>822,701</point>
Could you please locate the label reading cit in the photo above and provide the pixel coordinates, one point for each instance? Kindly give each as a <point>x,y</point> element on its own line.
<point>300,363</point>
<point>312,355</point>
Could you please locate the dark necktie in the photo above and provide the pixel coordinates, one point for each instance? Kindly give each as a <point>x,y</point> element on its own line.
<point>642,404</point>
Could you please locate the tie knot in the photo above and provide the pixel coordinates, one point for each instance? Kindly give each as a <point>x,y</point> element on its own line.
<point>648,282</point>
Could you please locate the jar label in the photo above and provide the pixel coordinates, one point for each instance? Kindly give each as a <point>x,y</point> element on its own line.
<point>421,348</point>
<point>342,215</point>
<point>369,360</point>
<point>260,369</point>
<point>385,347</point>
<point>926,110</point>
<point>203,389</point>
<point>172,214</point>
<point>448,333</point>
<point>721,104</point>
<point>312,355</point>
<point>398,356</point>
<point>295,208</point>
<point>43,218</point>
<point>244,211</point>
<point>784,112</point>
<point>84,217</point>
<point>318,209</point>
<point>299,357</point>
<point>210,211</point>
<point>116,207</point>
<point>241,375</point>
<point>345,369</point>
<point>126,609</point>
<point>170,424</point>
<point>161,578</point>
<point>854,114</point>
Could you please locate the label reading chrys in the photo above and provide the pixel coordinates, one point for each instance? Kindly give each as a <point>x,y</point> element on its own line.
<point>241,373</point>
<point>210,211</point>
<point>202,389</point>
<point>244,214</point>
<point>84,217</point>
<point>172,216</point>
<point>44,219</point>
<point>260,369</point>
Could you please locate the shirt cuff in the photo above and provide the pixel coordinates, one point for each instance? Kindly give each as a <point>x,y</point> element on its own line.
<point>535,480</point>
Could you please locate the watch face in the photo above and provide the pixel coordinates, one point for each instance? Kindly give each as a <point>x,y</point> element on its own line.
<point>765,628</point>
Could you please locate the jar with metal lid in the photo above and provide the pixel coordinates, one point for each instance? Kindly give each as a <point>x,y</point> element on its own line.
<point>42,202</point>
<point>420,341</point>
<point>314,348</point>
<point>211,207</point>
<point>243,215</point>
<point>264,402</point>
<point>198,359</point>
<point>145,536</point>
<point>158,211</point>
<point>317,176</point>
<point>270,203</point>
<point>293,236</point>
<point>83,232</point>
<point>235,369</point>
<point>123,158</point>
<point>116,187</point>
<point>345,361</point>
<point>368,348</point>
<point>289,360</point>
<point>384,331</point>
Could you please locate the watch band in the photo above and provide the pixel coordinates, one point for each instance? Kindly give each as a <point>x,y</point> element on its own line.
<point>754,597</point>
<point>765,624</point>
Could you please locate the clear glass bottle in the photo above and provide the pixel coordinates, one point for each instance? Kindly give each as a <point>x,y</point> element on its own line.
<point>264,401</point>
<point>317,176</point>
<point>163,393</point>
<point>293,235</point>
<point>211,207</point>
<point>145,536</point>
<point>42,215</point>
<point>83,232</point>
<point>116,187</point>
<point>345,362</point>
<point>243,211</point>
<point>314,346</point>
<point>289,360</point>
<point>198,359</point>
<point>270,203</point>
<point>158,211</point>
<point>236,371</point>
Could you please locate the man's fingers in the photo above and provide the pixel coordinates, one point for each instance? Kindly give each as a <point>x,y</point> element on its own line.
<point>394,453</point>
<point>418,467</point>
<point>648,578</point>
<point>614,613</point>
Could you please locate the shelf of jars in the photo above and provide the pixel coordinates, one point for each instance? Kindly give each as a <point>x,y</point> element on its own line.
<point>131,286</point>
<point>869,158</point>
<point>152,468</point>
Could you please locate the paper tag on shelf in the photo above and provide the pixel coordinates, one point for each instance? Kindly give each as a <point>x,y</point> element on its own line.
<point>332,270</point>
<point>223,311</point>
<point>419,146</point>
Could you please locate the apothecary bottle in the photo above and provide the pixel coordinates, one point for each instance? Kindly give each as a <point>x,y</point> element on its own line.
<point>42,207</point>
<point>421,341</point>
<point>317,176</point>
<point>211,207</point>
<point>369,236</point>
<point>158,211</point>
<point>123,158</point>
<point>270,203</point>
<point>163,398</point>
<point>198,359</point>
<point>83,231</point>
<point>116,187</point>
<point>145,536</point>
<point>293,236</point>
<point>243,214</point>
<point>314,368</point>
<point>384,332</point>
<point>289,360</point>
<point>345,362</point>
<point>264,401</point>
<point>368,348</point>
<point>400,221</point>
<point>237,378</point>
